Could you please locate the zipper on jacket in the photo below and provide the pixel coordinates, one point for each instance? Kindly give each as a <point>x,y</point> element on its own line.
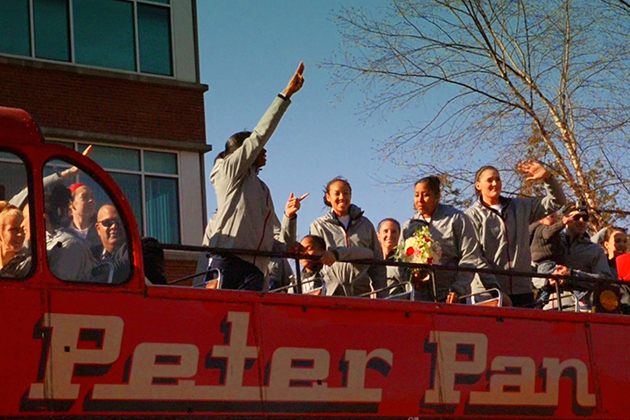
<point>262,237</point>
<point>507,252</point>
<point>507,240</point>
<point>345,231</point>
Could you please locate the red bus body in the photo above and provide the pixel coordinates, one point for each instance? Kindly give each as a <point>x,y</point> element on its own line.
<point>74,350</point>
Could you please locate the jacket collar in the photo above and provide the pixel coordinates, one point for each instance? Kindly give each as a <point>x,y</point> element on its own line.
<point>505,201</point>
<point>582,239</point>
<point>355,213</point>
<point>436,214</point>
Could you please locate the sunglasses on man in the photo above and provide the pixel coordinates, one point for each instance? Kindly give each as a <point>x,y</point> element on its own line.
<point>580,216</point>
<point>109,222</point>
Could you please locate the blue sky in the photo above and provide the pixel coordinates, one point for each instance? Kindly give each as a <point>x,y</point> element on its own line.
<point>248,51</point>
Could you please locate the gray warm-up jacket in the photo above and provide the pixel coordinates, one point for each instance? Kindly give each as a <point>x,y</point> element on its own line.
<point>245,216</point>
<point>340,276</point>
<point>453,231</point>
<point>360,233</point>
<point>20,199</point>
<point>504,237</point>
<point>586,259</point>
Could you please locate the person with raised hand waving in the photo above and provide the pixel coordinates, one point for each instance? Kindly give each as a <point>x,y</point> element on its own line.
<point>245,217</point>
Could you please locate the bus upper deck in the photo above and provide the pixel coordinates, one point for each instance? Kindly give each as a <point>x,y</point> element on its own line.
<point>114,346</point>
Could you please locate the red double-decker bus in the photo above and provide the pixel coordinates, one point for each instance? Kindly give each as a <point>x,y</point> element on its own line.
<point>108,344</point>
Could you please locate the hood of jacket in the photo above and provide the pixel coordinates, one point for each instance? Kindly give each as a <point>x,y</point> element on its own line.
<point>354,212</point>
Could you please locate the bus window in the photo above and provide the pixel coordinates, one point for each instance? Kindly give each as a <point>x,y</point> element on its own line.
<point>86,239</point>
<point>15,255</point>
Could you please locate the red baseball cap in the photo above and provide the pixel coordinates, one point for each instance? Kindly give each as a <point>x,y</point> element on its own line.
<point>75,187</point>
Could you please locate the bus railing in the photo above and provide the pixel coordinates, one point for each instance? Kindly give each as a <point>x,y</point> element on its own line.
<point>598,286</point>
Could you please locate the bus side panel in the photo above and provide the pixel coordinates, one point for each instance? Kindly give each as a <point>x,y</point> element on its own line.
<point>611,355</point>
<point>427,363</point>
<point>22,339</point>
<point>124,353</point>
<point>340,360</point>
<point>515,367</point>
<point>195,353</point>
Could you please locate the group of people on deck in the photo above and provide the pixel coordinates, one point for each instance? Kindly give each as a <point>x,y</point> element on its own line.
<point>82,244</point>
<point>494,233</point>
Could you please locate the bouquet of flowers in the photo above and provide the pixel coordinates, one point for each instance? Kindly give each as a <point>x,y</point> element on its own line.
<point>419,248</point>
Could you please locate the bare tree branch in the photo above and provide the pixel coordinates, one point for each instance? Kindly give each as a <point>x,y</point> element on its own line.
<point>546,79</point>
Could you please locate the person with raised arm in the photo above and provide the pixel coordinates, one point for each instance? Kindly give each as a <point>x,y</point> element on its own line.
<point>20,200</point>
<point>453,232</point>
<point>69,256</point>
<point>502,225</point>
<point>245,216</point>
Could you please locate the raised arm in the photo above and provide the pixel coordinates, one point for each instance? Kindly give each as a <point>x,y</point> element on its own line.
<point>286,232</point>
<point>554,198</point>
<point>295,83</point>
<point>244,157</point>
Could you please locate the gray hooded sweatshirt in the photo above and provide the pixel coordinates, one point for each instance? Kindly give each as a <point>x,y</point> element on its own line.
<point>504,236</point>
<point>360,233</point>
<point>245,217</point>
<point>454,233</point>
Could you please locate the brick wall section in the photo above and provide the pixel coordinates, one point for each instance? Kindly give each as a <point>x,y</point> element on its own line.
<point>125,106</point>
<point>176,269</point>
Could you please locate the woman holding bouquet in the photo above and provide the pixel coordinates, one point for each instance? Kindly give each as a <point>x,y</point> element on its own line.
<point>345,226</point>
<point>502,225</point>
<point>457,244</point>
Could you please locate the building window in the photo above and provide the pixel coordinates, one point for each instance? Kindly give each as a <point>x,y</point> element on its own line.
<point>111,42</point>
<point>150,181</point>
<point>50,21</point>
<point>154,39</point>
<point>15,27</point>
<point>128,35</point>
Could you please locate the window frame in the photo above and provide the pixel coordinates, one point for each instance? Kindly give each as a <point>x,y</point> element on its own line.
<point>62,161</point>
<point>142,174</point>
